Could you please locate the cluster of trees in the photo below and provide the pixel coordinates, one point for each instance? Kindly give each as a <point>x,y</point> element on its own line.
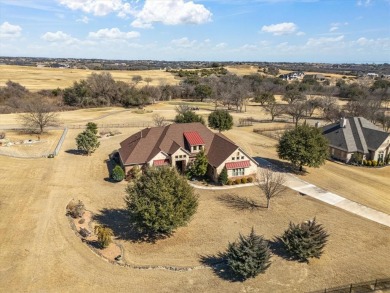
<point>251,255</point>
<point>223,89</point>
<point>102,90</point>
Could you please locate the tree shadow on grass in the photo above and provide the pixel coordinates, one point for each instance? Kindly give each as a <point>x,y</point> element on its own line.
<point>218,264</point>
<point>119,221</point>
<point>234,201</point>
<point>278,249</point>
<point>110,166</point>
<point>75,152</point>
<point>279,166</point>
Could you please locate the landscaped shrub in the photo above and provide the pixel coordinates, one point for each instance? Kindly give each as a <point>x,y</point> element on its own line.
<point>369,163</point>
<point>249,256</point>
<point>305,240</point>
<point>243,180</point>
<point>223,177</point>
<point>118,174</point>
<point>104,235</point>
<point>75,209</point>
<point>365,162</point>
<point>237,181</point>
<point>250,179</point>
<point>134,173</point>
<point>374,163</point>
<point>230,182</point>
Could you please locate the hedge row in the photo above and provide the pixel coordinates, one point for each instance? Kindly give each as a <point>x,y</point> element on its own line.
<point>240,181</point>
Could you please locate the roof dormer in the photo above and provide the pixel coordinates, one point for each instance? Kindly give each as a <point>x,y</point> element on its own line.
<point>194,141</point>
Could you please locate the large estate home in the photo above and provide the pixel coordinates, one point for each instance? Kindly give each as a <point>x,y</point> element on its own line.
<point>177,145</point>
<point>357,135</point>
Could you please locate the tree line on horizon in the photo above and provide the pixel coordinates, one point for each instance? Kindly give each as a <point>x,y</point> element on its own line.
<point>228,90</point>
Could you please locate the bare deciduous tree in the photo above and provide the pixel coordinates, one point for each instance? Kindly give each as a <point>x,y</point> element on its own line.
<point>39,115</point>
<point>148,80</point>
<point>270,183</point>
<point>158,120</point>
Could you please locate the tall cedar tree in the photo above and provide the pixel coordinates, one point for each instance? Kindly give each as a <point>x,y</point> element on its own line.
<point>305,240</point>
<point>223,177</point>
<point>220,120</point>
<point>249,256</point>
<point>160,201</point>
<point>199,167</point>
<point>303,146</point>
<point>188,117</point>
<point>87,141</point>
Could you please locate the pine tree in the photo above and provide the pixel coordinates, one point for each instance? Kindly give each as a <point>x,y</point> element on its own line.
<point>305,240</point>
<point>160,201</point>
<point>118,174</point>
<point>104,235</point>
<point>199,167</point>
<point>87,141</point>
<point>249,256</point>
<point>223,176</point>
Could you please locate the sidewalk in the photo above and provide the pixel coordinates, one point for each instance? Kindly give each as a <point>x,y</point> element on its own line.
<point>311,190</point>
<point>307,189</point>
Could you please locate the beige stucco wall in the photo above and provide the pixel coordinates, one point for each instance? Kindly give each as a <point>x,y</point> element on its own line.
<point>179,152</point>
<point>252,170</point>
<point>385,148</point>
<point>159,156</point>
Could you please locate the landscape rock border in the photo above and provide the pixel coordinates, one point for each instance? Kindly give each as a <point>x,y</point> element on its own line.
<point>122,263</point>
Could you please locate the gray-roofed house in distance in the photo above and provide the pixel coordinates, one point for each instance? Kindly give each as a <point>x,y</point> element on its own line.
<point>357,135</point>
<point>176,145</point>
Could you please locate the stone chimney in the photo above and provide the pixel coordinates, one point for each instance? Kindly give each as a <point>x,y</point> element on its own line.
<point>343,122</point>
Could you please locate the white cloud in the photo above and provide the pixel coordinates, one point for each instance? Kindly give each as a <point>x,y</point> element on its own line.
<point>323,41</point>
<point>363,2</point>
<point>113,34</point>
<point>377,43</point>
<point>171,12</point>
<point>183,43</point>
<point>8,30</point>
<point>279,29</point>
<point>58,36</point>
<point>99,7</point>
<point>300,34</point>
<point>84,19</point>
<point>333,28</point>
<point>221,45</point>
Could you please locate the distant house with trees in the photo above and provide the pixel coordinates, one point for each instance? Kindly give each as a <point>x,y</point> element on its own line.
<point>357,135</point>
<point>177,145</point>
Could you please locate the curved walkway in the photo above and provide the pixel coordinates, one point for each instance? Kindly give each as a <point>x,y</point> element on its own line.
<point>308,189</point>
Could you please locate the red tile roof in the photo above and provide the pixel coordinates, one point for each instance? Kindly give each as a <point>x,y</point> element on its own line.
<point>162,162</point>
<point>238,165</point>
<point>193,138</point>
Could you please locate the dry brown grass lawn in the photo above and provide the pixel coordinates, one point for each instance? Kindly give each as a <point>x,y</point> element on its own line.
<point>40,253</point>
<point>34,78</point>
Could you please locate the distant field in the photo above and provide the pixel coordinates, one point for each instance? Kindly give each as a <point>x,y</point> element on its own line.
<point>36,79</point>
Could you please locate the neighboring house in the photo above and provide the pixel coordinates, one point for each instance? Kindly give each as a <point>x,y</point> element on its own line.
<point>357,135</point>
<point>177,145</point>
<point>292,75</point>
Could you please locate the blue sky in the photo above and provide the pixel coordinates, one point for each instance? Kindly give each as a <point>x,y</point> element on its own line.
<point>335,31</point>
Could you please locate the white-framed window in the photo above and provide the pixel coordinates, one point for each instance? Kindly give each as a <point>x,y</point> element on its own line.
<point>242,157</point>
<point>238,172</point>
<point>233,158</point>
